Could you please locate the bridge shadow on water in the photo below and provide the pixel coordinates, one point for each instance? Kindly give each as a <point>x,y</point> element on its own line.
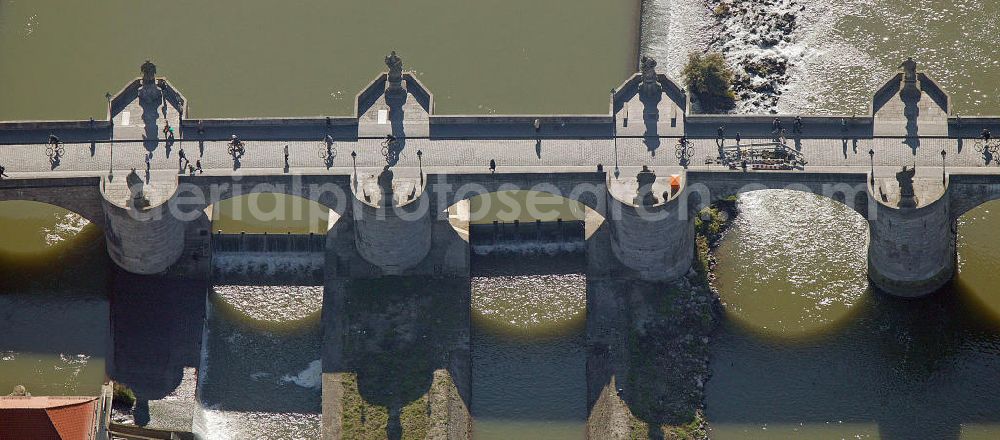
<point>157,328</point>
<point>54,302</point>
<point>907,368</point>
<point>388,338</point>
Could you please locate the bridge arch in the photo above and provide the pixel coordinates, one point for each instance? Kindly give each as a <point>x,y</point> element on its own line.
<point>195,193</point>
<point>966,192</point>
<point>81,196</point>
<point>587,188</point>
<point>702,188</point>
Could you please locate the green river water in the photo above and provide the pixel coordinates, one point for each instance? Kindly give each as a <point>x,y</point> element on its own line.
<point>806,349</point>
<point>235,58</point>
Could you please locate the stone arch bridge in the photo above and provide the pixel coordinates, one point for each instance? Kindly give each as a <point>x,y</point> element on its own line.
<point>401,225</point>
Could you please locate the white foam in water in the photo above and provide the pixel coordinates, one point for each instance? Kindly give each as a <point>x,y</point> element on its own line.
<point>311,377</point>
<point>68,226</point>
<point>529,248</point>
<point>267,264</point>
<point>838,53</point>
<point>271,303</point>
<point>671,29</point>
<point>211,423</point>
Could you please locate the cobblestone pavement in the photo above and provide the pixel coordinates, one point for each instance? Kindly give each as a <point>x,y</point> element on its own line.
<point>468,156</point>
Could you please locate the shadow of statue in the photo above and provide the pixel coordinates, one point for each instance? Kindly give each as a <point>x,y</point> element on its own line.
<point>650,118</point>
<point>538,148</point>
<point>960,144</point>
<point>844,147</point>
<point>93,148</point>
<point>854,145</point>
<point>150,115</point>
<point>55,160</point>
<point>911,110</point>
<point>397,116</point>
<point>798,143</point>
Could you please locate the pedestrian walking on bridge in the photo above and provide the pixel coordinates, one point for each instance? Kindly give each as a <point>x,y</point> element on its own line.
<point>182,159</point>
<point>493,166</point>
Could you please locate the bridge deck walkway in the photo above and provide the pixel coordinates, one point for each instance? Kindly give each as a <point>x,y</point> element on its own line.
<point>472,155</point>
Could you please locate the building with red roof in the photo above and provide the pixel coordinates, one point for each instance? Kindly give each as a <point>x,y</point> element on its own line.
<point>50,418</point>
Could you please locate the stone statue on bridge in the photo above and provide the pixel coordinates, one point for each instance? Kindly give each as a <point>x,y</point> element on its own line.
<point>644,196</point>
<point>394,85</point>
<point>149,92</point>
<point>909,70</point>
<point>909,77</point>
<point>148,70</point>
<point>385,187</point>
<point>138,198</point>
<point>907,196</point>
<point>650,86</point>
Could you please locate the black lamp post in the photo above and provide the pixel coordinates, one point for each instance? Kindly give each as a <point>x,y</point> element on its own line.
<point>614,134</point>
<point>111,162</point>
<point>420,161</point>
<point>354,159</point>
<point>871,157</point>
<point>943,154</point>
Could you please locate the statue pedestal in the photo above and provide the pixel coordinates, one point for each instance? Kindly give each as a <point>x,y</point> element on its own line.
<point>650,89</point>
<point>140,203</point>
<point>644,196</point>
<point>385,188</point>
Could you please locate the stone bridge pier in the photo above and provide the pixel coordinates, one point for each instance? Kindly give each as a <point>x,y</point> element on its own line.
<point>646,234</point>
<point>911,252</point>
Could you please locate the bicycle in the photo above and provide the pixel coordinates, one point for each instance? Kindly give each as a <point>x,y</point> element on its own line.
<point>236,148</point>
<point>327,151</point>
<point>983,146</point>
<point>388,145</point>
<point>54,151</point>
<point>683,151</point>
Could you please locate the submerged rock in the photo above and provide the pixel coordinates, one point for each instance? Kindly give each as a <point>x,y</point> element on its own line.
<point>756,38</point>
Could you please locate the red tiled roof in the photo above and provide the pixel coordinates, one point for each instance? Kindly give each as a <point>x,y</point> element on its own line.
<point>47,418</point>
